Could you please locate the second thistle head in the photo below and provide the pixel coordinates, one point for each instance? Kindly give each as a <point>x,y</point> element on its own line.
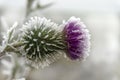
<point>77,39</point>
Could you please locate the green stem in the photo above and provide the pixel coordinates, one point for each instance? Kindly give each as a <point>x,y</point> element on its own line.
<point>11,48</point>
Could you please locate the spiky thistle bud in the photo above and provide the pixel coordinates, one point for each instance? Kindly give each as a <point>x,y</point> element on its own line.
<point>77,39</point>
<point>42,41</point>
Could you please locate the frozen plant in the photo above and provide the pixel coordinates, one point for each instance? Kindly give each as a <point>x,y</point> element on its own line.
<point>41,42</point>
<point>77,39</point>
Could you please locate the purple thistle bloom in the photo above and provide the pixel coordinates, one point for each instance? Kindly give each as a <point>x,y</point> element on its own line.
<point>77,39</point>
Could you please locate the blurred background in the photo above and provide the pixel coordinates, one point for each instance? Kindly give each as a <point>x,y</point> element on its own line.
<point>102,17</point>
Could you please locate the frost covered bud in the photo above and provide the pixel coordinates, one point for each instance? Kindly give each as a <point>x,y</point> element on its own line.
<point>77,39</point>
<point>43,43</point>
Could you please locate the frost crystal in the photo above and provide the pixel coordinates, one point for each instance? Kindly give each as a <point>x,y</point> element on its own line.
<point>77,39</point>
<point>42,42</point>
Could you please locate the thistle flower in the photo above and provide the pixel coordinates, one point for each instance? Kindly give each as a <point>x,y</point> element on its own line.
<point>77,38</point>
<point>43,43</point>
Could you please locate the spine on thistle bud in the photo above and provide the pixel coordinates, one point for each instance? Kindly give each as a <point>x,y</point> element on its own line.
<point>42,42</point>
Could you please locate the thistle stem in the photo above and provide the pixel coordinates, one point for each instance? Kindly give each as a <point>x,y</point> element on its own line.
<point>15,68</point>
<point>11,48</point>
<point>28,7</point>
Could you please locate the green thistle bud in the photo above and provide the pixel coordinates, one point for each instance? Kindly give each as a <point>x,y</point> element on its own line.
<point>42,41</point>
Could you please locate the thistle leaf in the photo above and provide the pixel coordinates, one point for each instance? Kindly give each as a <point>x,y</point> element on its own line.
<point>11,32</point>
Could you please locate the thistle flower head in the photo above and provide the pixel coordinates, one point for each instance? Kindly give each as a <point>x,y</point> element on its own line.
<point>42,42</point>
<point>76,37</point>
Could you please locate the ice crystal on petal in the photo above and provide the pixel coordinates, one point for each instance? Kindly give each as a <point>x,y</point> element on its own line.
<point>77,39</point>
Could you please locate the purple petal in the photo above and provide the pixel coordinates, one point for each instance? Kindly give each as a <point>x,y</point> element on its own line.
<point>77,39</point>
